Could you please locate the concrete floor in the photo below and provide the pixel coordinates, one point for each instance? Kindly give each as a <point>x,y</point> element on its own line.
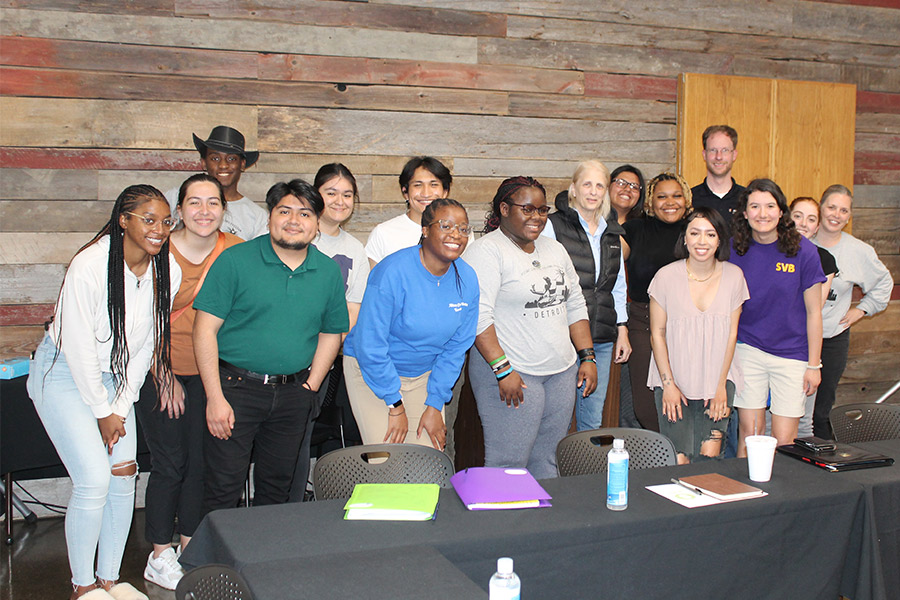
<point>35,567</point>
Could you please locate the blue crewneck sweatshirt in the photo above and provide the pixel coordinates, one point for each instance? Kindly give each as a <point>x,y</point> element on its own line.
<point>412,322</point>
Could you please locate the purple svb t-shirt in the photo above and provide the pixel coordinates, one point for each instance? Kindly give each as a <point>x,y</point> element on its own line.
<point>774,318</point>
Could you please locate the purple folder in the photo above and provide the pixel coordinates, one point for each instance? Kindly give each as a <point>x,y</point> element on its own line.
<point>495,488</point>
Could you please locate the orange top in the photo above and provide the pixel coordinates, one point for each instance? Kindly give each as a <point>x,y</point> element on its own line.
<point>183,361</point>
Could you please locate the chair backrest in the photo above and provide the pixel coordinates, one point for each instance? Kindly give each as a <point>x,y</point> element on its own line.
<point>854,423</point>
<point>584,452</point>
<point>336,473</point>
<point>213,582</point>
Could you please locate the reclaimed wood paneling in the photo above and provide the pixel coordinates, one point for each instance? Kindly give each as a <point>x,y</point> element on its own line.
<point>876,196</point>
<point>852,393</point>
<point>113,86</point>
<point>90,158</point>
<point>439,20</point>
<point>468,190</point>
<point>637,87</point>
<point>140,7</point>
<point>726,15</point>
<point>25,314</point>
<point>38,184</point>
<point>30,283</point>
<point>237,34</point>
<point>593,57</point>
<point>40,248</point>
<point>877,102</point>
<point>47,215</point>
<point>51,122</point>
<point>869,25</point>
<point>20,341</point>
<point>126,58</point>
<point>503,137</point>
<point>596,109</point>
<point>834,50</point>
<point>339,69</point>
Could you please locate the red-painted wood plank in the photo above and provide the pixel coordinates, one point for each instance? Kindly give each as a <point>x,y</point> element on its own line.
<point>129,160</point>
<point>125,58</point>
<point>610,85</point>
<point>877,102</point>
<point>338,69</point>
<point>25,314</point>
<point>877,161</point>
<point>115,7</point>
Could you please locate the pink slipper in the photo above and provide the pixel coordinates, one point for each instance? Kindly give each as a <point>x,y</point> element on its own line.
<point>97,594</point>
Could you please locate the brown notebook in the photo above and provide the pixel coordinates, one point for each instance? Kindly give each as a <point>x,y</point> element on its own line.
<point>721,487</point>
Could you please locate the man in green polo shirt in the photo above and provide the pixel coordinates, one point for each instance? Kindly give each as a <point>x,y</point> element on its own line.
<point>269,320</point>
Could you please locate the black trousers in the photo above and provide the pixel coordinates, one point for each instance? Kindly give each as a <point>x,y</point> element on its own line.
<point>269,424</point>
<point>175,485</point>
<point>834,361</point>
<point>639,365</point>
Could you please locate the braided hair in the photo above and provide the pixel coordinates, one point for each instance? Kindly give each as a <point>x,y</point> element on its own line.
<point>128,201</point>
<point>504,193</point>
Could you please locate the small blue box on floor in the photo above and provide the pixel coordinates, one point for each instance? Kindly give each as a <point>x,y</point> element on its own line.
<point>14,367</point>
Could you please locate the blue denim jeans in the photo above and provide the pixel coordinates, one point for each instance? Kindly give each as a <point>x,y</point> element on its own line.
<point>589,411</point>
<point>99,513</point>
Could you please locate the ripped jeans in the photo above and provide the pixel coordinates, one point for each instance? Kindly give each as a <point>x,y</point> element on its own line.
<point>695,427</point>
<point>99,512</point>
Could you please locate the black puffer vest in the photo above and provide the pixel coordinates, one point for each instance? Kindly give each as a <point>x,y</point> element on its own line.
<point>597,294</point>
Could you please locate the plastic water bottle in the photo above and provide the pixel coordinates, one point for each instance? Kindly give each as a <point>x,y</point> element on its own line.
<point>505,584</point>
<point>617,477</point>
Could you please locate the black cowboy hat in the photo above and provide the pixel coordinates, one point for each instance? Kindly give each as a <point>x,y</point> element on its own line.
<point>228,140</point>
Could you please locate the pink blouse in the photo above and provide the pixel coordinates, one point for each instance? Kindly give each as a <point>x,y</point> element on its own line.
<point>697,339</point>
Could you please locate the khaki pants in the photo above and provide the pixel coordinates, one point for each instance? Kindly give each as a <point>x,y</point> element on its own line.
<point>371,413</point>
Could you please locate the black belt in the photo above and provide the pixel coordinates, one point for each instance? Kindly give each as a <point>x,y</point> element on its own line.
<point>264,378</point>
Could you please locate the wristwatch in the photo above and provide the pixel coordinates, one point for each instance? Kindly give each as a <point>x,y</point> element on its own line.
<point>397,404</point>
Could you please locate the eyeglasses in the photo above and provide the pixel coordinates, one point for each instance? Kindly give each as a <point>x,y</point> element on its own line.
<point>528,209</point>
<point>628,184</point>
<point>722,151</point>
<point>464,229</point>
<point>152,221</point>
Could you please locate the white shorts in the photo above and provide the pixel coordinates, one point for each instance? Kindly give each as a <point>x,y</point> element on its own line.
<point>764,372</point>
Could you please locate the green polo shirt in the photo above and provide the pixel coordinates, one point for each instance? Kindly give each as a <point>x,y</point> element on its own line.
<point>273,315</point>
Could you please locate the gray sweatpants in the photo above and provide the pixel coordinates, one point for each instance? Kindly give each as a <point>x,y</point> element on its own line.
<point>525,436</point>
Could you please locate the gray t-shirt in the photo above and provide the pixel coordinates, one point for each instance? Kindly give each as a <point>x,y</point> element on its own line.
<point>350,255</point>
<point>530,299</point>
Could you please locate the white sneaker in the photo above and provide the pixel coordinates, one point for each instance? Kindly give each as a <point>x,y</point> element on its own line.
<point>164,570</point>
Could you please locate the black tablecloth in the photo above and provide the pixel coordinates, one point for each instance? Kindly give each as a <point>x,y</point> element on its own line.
<point>812,537</point>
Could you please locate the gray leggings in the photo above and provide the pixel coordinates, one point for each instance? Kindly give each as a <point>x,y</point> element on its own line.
<point>525,436</point>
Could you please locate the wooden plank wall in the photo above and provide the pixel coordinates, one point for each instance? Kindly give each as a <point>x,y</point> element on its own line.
<point>100,94</point>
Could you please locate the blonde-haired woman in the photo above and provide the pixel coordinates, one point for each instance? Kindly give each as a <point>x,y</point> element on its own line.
<point>589,230</point>
<point>857,265</point>
<point>648,245</point>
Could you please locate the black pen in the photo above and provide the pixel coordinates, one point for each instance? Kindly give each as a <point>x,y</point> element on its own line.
<point>696,490</point>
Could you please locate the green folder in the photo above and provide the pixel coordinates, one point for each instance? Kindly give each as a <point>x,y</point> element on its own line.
<point>392,502</point>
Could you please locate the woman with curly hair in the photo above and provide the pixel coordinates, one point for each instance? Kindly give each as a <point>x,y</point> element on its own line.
<point>780,332</point>
<point>648,245</point>
<point>532,325</point>
<point>110,322</point>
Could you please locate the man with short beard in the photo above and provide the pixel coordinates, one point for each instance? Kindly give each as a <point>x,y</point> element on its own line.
<point>269,321</point>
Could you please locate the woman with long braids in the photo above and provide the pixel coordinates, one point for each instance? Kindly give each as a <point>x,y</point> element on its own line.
<point>416,322</point>
<point>532,326</point>
<point>780,332</point>
<point>110,323</point>
<point>174,423</point>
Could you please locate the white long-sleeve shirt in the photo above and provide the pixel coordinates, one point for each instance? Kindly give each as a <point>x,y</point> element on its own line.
<point>82,330</point>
